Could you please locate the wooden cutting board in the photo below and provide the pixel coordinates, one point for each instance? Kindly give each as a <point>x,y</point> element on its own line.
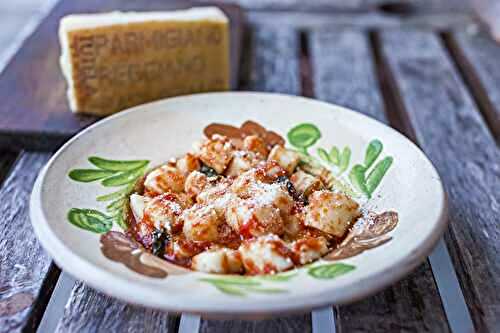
<point>34,112</point>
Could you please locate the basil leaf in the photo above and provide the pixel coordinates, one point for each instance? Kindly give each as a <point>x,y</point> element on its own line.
<point>303,135</point>
<point>330,271</point>
<point>378,172</point>
<point>160,239</point>
<point>90,219</point>
<point>208,171</point>
<point>89,175</point>
<point>114,165</point>
<point>372,152</point>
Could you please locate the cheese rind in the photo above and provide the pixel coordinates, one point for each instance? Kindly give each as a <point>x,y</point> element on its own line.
<point>116,60</point>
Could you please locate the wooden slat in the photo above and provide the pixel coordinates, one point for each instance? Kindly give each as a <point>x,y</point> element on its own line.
<point>353,5</point>
<point>478,57</point>
<point>91,311</point>
<point>274,67</point>
<point>343,71</point>
<point>23,263</point>
<point>366,20</point>
<point>344,74</point>
<point>287,324</point>
<point>274,61</point>
<point>451,131</point>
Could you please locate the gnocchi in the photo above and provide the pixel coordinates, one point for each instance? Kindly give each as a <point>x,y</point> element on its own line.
<point>221,261</point>
<point>216,153</point>
<point>265,254</point>
<point>164,179</point>
<point>331,212</point>
<point>246,210</point>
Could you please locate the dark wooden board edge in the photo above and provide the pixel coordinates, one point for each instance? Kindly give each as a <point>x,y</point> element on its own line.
<point>45,139</point>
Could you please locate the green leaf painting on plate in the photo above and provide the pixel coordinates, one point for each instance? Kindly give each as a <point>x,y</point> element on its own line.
<point>110,173</point>
<point>89,175</point>
<point>238,285</point>
<point>113,165</point>
<point>303,136</point>
<point>364,177</point>
<point>329,271</point>
<point>336,158</point>
<point>90,219</point>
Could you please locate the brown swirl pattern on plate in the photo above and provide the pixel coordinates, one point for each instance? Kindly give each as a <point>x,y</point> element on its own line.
<point>368,232</point>
<point>116,246</point>
<point>237,134</point>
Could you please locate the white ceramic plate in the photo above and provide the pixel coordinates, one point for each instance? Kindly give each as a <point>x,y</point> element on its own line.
<point>160,130</point>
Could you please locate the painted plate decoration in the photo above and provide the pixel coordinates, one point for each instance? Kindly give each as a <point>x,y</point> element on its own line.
<point>80,205</point>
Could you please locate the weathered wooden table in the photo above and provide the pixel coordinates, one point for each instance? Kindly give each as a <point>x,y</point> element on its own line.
<point>433,75</point>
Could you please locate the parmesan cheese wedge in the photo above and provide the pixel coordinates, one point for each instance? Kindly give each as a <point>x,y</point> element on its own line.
<point>112,61</point>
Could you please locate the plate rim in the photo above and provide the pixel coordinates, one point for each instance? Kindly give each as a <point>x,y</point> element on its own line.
<point>79,267</point>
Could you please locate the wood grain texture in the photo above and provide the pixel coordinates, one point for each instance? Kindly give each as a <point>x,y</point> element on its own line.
<point>364,20</point>
<point>92,311</point>
<point>351,5</point>
<point>35,113</point>
<point>344,74</point>
<point>7,158</point>
<point>23,263</point>
<point>344,71</point>
<point>274,61</point>
<point>451,131</point>
<point>478,57</point>
<point>274,66</point>
<point>289,324</point>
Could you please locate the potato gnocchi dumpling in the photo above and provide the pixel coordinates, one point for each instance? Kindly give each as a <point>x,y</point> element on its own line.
<point>250,219</point>
<point>221,261</point>
<point>201,223</point>
<point>247,208</point>
<point>188,164</point>
<point>216,153</point>
<point>242,161</point>
<point>265,254</point>
<point>287,159</point>
<point>195,183</point>
<point>306,183</point>
<point>331,212</point>
<point>164,179</point>
<point>255,144</point>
